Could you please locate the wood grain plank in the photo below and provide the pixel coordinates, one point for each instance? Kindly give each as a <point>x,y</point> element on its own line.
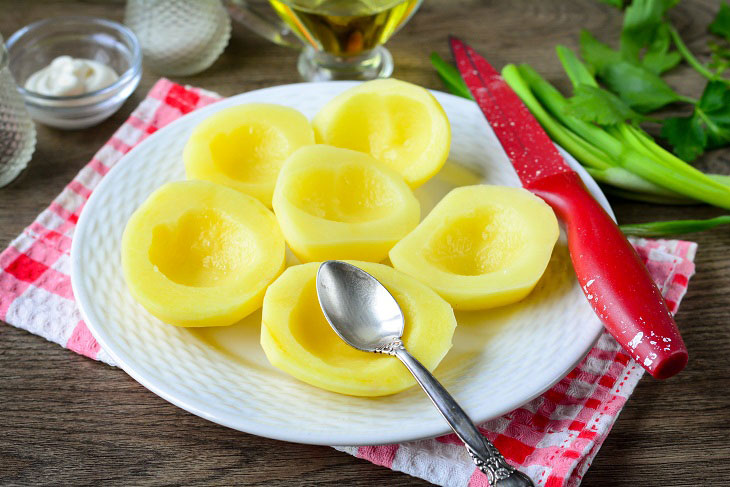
<point>65,420</point>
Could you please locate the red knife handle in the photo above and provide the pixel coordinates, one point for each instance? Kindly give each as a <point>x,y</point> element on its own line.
<point>614,279</point>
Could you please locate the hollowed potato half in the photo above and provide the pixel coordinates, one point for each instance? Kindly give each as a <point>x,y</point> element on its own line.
<point>196,253</point>
<point>341,204</point>
<point>243,147</point>
<point>481,246</point>
<point>398,123</point>
<point>298,340</point>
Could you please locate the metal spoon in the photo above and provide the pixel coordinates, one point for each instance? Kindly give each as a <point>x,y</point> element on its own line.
<point>367,317</point>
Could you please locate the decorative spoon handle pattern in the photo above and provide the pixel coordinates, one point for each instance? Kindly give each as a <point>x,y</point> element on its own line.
<point>485,455</point>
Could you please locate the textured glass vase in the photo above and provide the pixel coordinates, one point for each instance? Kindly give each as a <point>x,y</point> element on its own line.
<point>179,37</point>
<point>17,132</point>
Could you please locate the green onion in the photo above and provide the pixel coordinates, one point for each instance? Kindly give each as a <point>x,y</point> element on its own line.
<point>720,178</point>
<point>642,142</point>
<point>450,76</point>
<point>630,183</point>
<point>556,104</point>
<point>622,156</point>
<point>596,162</point>
<point>675,227</point>
<point>581,149</point>
<point>684,180</point>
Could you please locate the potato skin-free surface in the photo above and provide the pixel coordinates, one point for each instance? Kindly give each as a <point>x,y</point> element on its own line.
<point>481,246</point>
<point>337,203</point>
<point>243,147</point>
<point>298,340</point>
<point>399,123</point>
<point>196,253</point>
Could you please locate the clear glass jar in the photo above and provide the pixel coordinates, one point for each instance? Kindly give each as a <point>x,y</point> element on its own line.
<point>339,39</point>
<point>17,132</point>
<point>36,45</point>
<point>179,37</point>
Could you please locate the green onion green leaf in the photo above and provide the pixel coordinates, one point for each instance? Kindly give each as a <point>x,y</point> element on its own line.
<point>450,76</point>
<point>674,227</point>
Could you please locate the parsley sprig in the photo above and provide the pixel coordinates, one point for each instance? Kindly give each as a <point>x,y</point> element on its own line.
<point>647,50</point>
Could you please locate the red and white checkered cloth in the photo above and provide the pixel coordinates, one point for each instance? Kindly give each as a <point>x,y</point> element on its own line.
<point>552,438</point>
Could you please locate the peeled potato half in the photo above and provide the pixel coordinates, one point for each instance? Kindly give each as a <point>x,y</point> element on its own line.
<point>243,147</point>
<point>400,124</point>
<point>298,340</point>
<point>337,203</point>
<point>197,253</point>
<point>481,246</point>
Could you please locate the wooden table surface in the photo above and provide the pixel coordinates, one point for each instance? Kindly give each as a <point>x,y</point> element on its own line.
<point>65,419</point>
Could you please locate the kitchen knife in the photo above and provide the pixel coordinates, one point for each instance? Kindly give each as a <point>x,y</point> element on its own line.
<point>609,271</point>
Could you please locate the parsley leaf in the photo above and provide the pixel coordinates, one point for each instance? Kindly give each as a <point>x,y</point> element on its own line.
<point>636,82</point>
<point>590,102</point>
<point>686,136</point>
<point>641,21</point>
<point>714,97</point>
<point>720,52</point>
<point>597,54</point>
<point>713,110</point>
<point>721,25</point>
<point>643,90</point>
<point>645,27</point>
<point>658,58</point>
<point>720,57</point>
<point>707,128</point>
<point>593,104</point>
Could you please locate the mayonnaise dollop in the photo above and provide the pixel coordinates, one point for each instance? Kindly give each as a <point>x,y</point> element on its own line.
<point>67,76</point>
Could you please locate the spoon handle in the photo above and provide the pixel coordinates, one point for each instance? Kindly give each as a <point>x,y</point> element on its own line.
<point>485,455</point>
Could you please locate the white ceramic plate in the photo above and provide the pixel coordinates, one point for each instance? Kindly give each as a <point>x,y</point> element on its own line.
<point>500,359</point>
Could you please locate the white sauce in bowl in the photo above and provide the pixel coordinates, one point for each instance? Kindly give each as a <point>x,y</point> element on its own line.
<point>67,76</point>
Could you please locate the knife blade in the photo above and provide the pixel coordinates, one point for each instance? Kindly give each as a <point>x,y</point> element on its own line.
<point>609,271</point>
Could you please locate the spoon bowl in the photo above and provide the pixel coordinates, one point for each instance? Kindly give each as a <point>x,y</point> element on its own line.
<point>367,315</point>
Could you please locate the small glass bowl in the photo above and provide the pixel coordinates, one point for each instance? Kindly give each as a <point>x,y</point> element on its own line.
<point>34,47</point>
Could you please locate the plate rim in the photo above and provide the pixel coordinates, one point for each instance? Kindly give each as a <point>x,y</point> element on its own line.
<point>186,402</point>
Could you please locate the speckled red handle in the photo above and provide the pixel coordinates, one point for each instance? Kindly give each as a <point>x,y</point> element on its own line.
<point>614,279</point>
